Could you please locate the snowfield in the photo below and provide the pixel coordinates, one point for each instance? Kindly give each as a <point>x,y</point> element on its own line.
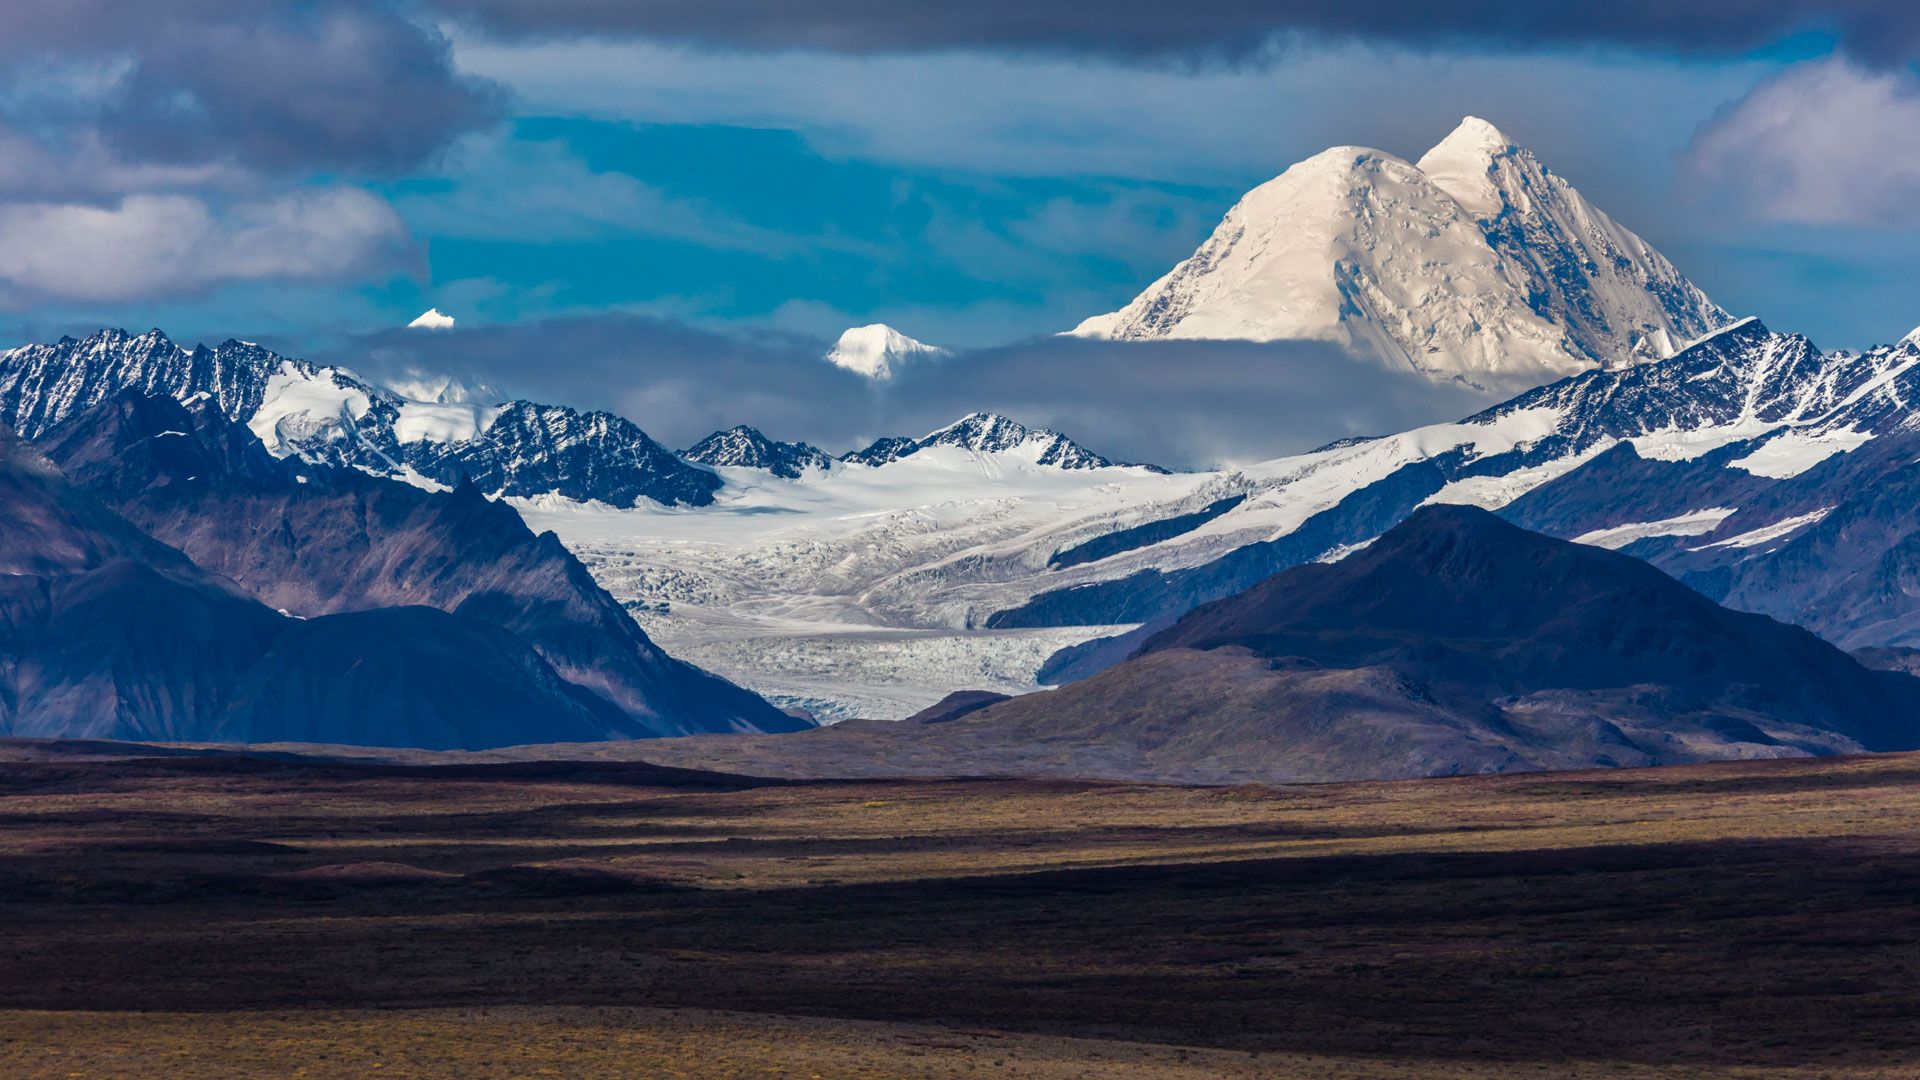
<point>863,590</point>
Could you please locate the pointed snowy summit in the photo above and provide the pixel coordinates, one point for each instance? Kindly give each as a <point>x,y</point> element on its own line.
<point>1477,264</point>
<point>432,319</point>
<point>1461,164</point>
<point>878,351</point>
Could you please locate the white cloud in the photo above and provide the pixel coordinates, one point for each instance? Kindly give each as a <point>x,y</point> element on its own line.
<point>167,245</point>
<point>1820,144</point>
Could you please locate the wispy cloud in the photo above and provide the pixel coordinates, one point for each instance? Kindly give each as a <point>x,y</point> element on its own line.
<point>1830,143</point>
<point>168,245</point>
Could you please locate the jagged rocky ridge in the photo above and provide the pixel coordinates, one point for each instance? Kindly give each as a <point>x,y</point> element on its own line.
<point>328,415</point>
<point>319,541</point>
<point>745,446</point>
<point>989,433</point>
<point>1478,263</point>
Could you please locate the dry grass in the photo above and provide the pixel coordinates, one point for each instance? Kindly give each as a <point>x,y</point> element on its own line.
<point>226,919</point>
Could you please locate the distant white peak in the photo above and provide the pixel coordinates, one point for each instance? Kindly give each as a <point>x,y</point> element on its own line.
<point>432,319</point>
<point>1462,165</point>
<point>876,351</point>
<point>1912,338</point>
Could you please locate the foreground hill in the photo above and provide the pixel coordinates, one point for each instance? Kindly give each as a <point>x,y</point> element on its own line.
<point>1457,643</point>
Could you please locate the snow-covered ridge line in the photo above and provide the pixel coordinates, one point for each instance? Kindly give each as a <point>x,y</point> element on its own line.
<point>330,416</point>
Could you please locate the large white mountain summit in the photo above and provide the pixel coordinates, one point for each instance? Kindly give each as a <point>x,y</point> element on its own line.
<point>1477,264</point>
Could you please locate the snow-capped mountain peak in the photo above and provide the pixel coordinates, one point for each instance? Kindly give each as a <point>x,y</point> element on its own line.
<point>1477,264</point>
<point>431,319</point>
<point>986,433</point>
<point>1462,163</point>
<point>1912,338</point>
<point>1619,300</point>
<point>878,351</point>
<point>979,431</point>
<point>743,446</point>
<point>991,433</point>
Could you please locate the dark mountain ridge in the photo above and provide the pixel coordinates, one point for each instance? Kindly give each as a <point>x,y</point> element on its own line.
<point>107,633</point>
<point>316,541</point>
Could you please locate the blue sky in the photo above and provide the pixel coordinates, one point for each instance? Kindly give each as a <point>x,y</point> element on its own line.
<point>317,176</point>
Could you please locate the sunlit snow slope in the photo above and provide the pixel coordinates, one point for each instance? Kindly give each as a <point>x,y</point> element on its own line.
<point>1476,264</point>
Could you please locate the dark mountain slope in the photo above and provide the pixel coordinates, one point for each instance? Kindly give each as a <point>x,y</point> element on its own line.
<point>108,633</point>
<point>323,541</point>
<point>469,683</point>
<point>1481,609</point>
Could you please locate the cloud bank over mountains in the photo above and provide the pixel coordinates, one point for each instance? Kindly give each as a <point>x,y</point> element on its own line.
<point>1171,403</point>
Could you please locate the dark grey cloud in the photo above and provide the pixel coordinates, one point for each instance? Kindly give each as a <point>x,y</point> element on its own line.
<point>1879,29</point>
<point>1174,403</point>
<point>278,87</point>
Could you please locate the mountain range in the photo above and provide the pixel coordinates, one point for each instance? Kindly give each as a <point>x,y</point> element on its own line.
<point>330,415</point>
